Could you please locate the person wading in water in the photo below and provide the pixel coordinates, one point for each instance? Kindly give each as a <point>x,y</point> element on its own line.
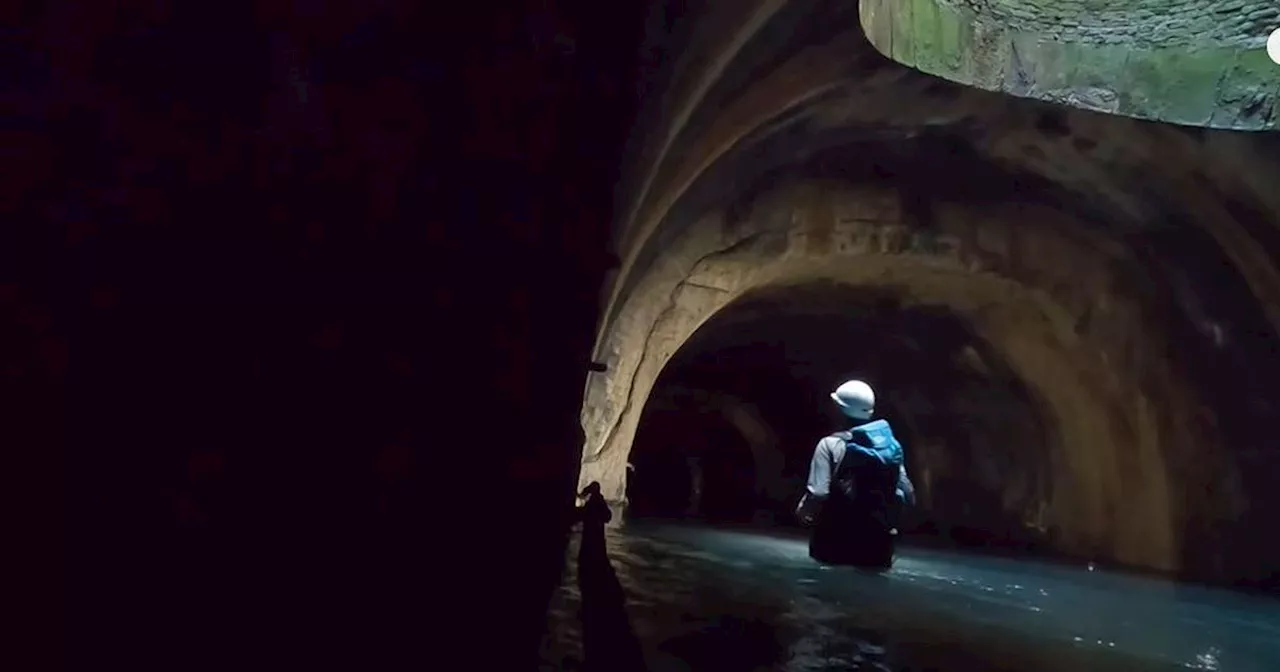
<point>857,486</point>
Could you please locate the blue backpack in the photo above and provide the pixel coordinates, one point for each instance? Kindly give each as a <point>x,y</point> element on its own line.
<point>872,463</point>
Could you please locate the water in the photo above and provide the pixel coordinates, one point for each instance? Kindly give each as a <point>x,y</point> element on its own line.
<point>707,599</point>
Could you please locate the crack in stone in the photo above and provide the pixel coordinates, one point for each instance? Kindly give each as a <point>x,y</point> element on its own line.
<point>713,288</point>
<point>644,355</point>
<point>653,328</point>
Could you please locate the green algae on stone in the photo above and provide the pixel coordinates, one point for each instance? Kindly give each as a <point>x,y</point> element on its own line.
<point>950,47</point>
<point>1154,66</point>
<point>1249,90</point>
<point>991,46</point>
<point>878,25</point>
<point>1175,84</point>
<point>904,47</point>
<point>926,33</point>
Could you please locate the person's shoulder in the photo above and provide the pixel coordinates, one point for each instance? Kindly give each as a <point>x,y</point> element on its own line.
<point>830,442</point>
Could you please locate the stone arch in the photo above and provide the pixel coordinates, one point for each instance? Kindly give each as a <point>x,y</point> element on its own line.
<point>1034,283</point>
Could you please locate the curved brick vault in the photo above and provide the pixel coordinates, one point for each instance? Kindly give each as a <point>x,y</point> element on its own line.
<point>1123,270</point>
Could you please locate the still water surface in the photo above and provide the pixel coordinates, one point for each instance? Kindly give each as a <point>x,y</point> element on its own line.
<point>713,599</point>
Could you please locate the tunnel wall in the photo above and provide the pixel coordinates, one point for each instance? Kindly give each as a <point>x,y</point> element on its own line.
<point>1047,295</point>
<point>294,276</point>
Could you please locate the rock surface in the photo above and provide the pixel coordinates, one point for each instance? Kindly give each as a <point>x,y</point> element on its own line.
<point>1195,63</point>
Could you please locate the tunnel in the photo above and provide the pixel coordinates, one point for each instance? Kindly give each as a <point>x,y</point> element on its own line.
<point>1044,413</point>
<point>1069,301</point>
<point>337,307</point>
<point>980,442</point>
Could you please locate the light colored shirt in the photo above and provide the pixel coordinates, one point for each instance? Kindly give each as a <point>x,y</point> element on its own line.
<point>826,457</point>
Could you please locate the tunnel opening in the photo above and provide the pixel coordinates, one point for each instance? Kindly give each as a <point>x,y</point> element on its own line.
<point>692,463</point>
<point>979,445</point>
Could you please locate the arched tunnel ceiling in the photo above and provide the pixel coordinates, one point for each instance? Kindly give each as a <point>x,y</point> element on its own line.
<point>1201,63</point>
<point>781,82</point>
<point>1124,269</point>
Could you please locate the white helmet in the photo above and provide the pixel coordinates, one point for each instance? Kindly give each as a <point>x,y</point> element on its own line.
<point>856,399</point>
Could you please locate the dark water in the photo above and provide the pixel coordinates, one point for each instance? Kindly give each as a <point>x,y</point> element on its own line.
<point>706,599</point>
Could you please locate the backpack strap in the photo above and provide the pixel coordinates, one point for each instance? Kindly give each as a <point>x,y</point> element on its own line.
<point>844,437</point>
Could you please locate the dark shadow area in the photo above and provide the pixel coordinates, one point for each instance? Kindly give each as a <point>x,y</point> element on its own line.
<point>662,485</point>
<point>728,642</point>
<point>728,476</point>
<point>978,521</point>
<point>694,465</point>
<point>330,276</point>
<point>608,640</point>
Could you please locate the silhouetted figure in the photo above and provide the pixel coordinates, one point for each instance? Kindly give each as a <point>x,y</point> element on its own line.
<point>857,487</point>
<point>608,642</point>
<point>594,514</point>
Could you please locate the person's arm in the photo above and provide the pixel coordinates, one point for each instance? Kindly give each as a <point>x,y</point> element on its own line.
<point>819,484</point>
<point>905,485</point>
